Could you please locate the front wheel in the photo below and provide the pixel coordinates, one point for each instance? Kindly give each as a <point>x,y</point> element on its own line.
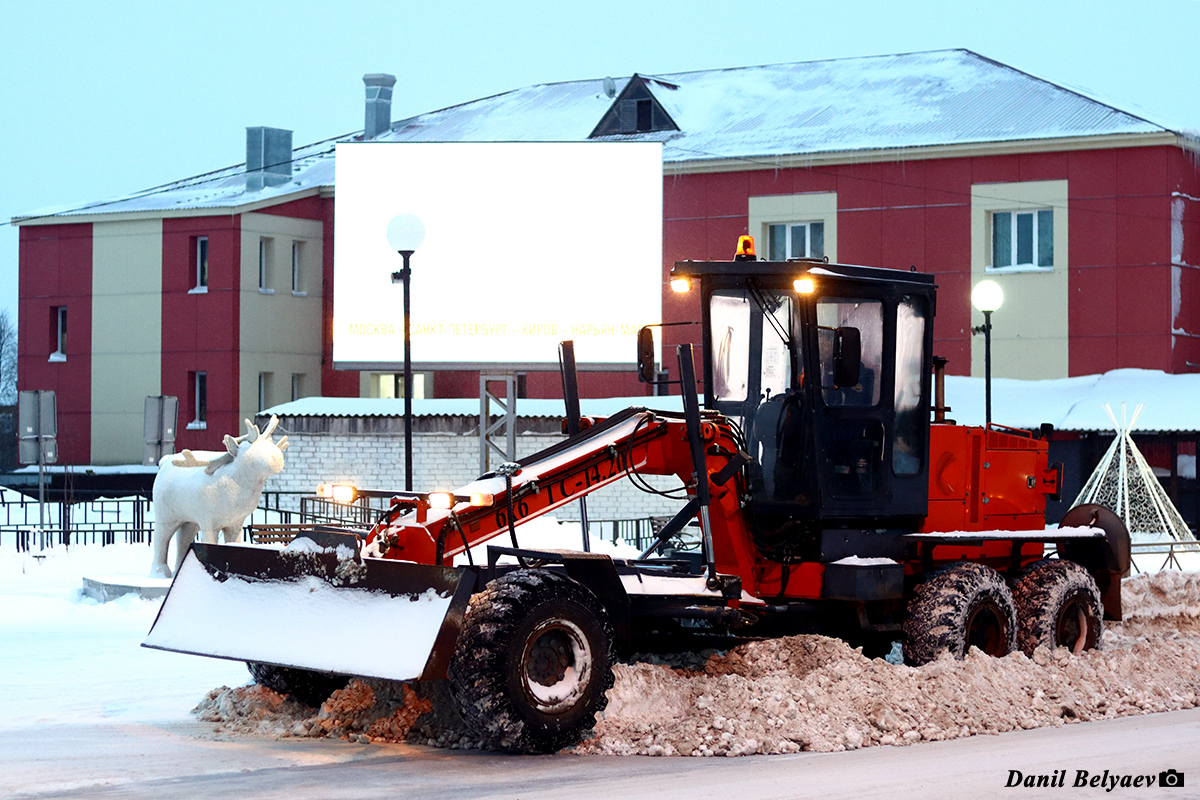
<point>533,662</point>
<point>963,606</point>
<point>1058,604</point>
<point>308,686</point>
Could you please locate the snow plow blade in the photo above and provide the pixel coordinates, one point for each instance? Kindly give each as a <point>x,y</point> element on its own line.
<point>315,608</point>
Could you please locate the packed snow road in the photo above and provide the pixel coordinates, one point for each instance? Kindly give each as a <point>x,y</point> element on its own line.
<point>171,761</point>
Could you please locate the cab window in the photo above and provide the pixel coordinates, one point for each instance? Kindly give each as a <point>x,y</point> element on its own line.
<point>837,319</point>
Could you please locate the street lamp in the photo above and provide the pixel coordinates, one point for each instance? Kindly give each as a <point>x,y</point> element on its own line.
<point>987,296</point>
<point>405,233</point>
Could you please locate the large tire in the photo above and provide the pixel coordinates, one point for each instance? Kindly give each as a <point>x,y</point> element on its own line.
<point>962,606</point>
<point>309,687</point>
<point>533,662</point>
<point>1058,605</point>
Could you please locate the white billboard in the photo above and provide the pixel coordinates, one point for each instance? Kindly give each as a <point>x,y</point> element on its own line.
<point>526,244</point>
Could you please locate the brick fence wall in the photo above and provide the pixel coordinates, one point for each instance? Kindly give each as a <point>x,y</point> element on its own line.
<point>441,460</point>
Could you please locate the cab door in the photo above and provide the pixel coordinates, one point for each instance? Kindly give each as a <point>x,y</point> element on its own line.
<point>871,410</point>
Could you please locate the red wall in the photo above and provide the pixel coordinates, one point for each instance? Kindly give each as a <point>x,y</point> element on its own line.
<point>55,269</point>
<point>334,382</point>
<point>902,214</point>
<point>200,332</point>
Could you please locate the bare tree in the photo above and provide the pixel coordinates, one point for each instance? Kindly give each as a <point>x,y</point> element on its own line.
<point>8,359</point>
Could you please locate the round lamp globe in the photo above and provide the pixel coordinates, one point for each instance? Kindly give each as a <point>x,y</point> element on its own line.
<point>405,233</point>
<point>987,296</point>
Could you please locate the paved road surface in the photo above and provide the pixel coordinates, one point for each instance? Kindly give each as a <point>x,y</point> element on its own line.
<point>176,761</point>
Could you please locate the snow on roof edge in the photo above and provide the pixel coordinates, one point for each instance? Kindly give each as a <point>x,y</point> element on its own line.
<point>1069,404</point>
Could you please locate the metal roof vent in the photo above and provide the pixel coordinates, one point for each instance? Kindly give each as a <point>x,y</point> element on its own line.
<point>379,104</point>
<point>268,157</point>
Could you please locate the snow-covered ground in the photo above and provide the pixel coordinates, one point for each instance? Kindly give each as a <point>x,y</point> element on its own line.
<point>67,658</point>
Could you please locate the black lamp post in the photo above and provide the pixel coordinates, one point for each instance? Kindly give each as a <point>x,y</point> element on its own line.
<point>987,296</point>
<point>405,234</point>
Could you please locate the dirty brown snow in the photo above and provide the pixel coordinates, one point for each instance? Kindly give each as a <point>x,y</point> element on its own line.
<point>804,693</point>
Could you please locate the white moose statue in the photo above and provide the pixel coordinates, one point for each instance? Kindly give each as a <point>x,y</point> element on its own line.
<point>209,492</point>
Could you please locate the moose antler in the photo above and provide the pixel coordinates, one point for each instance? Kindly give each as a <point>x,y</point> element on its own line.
<point>188,459</point>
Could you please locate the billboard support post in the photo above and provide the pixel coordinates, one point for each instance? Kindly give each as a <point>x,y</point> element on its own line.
<point>508,406</point>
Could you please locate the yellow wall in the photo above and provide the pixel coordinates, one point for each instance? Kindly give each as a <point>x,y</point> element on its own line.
<point>280,329</point>
<point>126,335</point>
<point>1029,331</point>
<point>812,207</point>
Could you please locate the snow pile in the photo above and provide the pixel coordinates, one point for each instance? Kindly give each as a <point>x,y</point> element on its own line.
<point>367,710</point>
<point>804,693</point>
<point>816,693</point>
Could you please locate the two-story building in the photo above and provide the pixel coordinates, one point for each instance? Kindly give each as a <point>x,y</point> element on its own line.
<point>218,288</point>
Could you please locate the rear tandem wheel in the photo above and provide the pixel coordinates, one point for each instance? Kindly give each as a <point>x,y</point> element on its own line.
<point>1058,603</point>
<point>962,606</point>
<point>533,662</point>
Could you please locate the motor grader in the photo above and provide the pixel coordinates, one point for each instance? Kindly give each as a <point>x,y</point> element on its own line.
<point>827,489</point>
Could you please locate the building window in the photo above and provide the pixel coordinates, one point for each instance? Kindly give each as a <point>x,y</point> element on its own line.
<point>297,269</point>
<point>795,240</point>
<point>198,390</point>
<point>389,385</point>
<point>1023,239</point>
<point>264,390</point>
<point>265,248</point>
<point>200,264</point>
<point>297,385</point>
<point>58,333</point>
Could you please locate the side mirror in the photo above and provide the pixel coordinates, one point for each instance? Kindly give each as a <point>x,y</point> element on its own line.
<point>645,356</point>
<point>847,357</point>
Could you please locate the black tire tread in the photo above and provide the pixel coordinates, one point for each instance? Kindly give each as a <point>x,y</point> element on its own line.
<point>309,687</point>
<point>1040,591</point>
<point>939,608</point>
<point>477,669</point>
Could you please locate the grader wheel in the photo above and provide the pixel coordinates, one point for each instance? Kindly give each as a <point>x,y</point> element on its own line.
<point>533,662</point>
<point>1058,605</point>
<point>964,605</point>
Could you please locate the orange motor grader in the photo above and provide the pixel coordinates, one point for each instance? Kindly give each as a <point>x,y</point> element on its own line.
<point>830,494</point>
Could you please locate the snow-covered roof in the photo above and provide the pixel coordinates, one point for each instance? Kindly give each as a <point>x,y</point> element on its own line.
<point>1073,404</point>
<point>890,102</point>
<point>1077,404</point>
<point>459,407</point>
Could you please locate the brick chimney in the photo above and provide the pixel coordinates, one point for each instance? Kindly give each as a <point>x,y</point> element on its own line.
<point>379,104</point>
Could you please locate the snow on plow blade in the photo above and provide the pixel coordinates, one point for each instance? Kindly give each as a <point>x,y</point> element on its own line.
<point>313,610</point>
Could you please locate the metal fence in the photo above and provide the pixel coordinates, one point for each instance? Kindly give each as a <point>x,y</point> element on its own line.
<point>126,520</point>
<point>130,520</point>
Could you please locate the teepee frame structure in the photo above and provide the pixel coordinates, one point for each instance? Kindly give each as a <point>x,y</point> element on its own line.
<point>1125,483</point>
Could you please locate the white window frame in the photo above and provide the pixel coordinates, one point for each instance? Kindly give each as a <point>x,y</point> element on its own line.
<point>264,390</point>
<point>298,269</point>
<point>200,279</point>
<point>60,334</point>
<point>265,253</point>
<point>1014,216</point>
<point>297,385</point>
<point>789,229</point>
<point>199,380</point>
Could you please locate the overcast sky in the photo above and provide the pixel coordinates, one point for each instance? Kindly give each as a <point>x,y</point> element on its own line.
<point>101,99</point>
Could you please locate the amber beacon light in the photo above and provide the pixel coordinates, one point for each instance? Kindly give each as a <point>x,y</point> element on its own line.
<point>745,249</point>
